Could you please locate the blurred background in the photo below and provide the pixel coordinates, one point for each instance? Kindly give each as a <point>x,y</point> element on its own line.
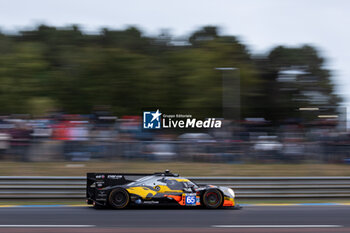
<point>69,96</point>
<point>76,92</point>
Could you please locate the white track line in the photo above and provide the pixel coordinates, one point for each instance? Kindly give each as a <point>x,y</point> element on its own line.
<point>49,226</point>
<point>276,226</point>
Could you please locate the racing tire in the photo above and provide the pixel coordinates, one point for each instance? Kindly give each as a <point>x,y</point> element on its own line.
<point>119,198</point>
<point>212,199</point>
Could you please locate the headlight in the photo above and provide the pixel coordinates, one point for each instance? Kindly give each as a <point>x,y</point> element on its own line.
<point>230,191</point>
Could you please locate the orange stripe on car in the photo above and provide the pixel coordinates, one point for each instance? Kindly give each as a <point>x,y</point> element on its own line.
<point>176,198</point>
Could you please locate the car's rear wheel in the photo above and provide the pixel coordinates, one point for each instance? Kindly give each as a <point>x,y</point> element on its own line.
<point>212,199</point>
<point>119,198</point>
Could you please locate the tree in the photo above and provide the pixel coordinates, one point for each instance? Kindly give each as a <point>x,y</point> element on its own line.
<point>294,78</point>
<point>128,71</point>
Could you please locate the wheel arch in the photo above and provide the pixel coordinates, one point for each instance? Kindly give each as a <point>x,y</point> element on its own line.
<point>212,188</point>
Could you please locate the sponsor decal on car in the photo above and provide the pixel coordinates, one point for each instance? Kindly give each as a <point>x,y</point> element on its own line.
<point>114,177</point>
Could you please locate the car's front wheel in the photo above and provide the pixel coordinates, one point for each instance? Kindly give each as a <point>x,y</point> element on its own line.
<point>212,199</point>
<point>119,198</point>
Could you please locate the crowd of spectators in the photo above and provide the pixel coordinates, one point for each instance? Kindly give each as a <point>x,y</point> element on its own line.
<point>105,137</point>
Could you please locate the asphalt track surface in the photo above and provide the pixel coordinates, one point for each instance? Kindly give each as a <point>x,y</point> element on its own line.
<point>248,219</point>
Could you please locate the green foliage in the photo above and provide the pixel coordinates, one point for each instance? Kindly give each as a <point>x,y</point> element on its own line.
<point>48,68</point>
<point>40,106</point>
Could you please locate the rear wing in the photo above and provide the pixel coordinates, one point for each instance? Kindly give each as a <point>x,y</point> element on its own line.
<point>113,178</point>
<point>123,178</point>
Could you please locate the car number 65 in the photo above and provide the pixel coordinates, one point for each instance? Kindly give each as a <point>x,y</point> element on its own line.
<point>191,200</point>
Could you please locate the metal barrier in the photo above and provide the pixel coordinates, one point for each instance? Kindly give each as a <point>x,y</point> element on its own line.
<point>61,187</point>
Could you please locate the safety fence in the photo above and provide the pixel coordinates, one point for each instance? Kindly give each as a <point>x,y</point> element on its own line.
<point>62,187</point>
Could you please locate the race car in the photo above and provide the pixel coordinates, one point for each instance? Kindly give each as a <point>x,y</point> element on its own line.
<point>120,190</point>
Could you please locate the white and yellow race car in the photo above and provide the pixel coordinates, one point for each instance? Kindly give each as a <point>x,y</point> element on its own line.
<point>120,190</point>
